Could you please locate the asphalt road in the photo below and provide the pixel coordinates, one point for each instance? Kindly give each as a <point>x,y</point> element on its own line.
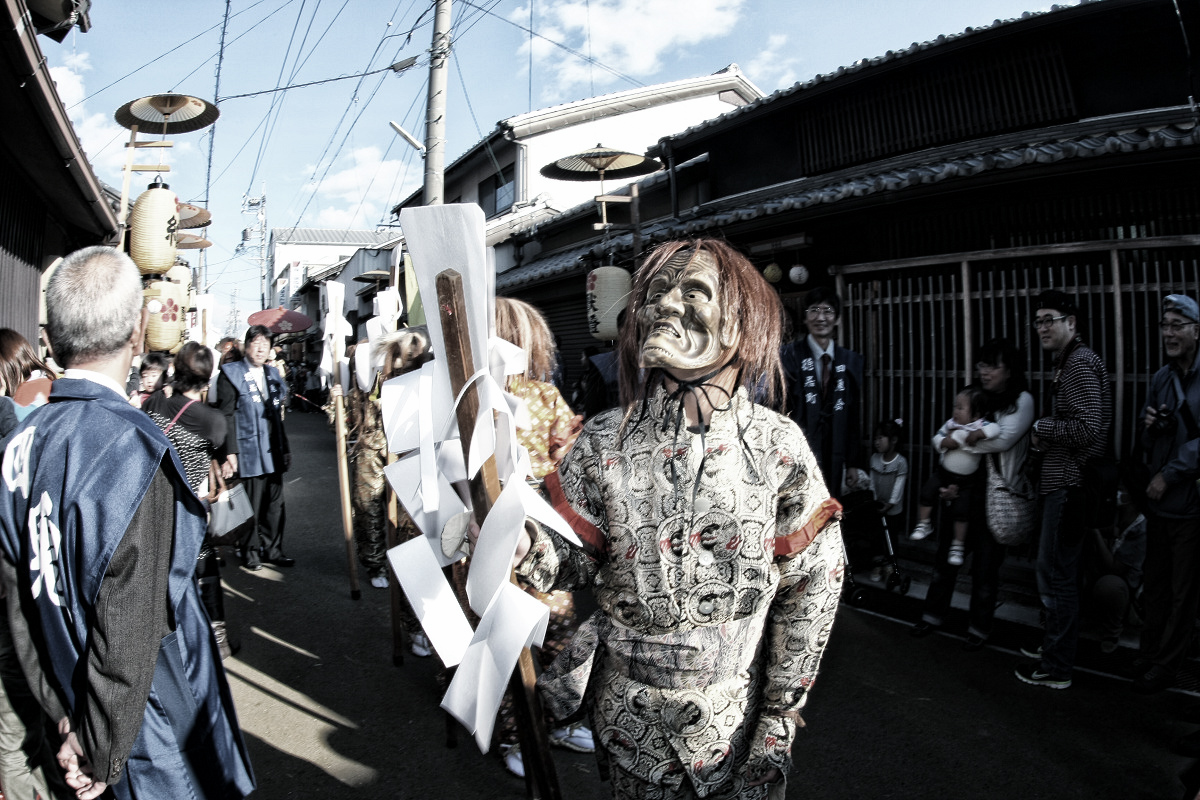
<point>327,714</point>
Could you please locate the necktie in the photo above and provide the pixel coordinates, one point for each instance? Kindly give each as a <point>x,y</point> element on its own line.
<point>826,372</point>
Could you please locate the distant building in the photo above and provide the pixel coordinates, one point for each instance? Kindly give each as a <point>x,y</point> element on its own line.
<point>941,187</point>
<point>294,253</point>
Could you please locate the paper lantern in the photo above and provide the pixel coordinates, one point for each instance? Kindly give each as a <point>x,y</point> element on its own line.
<point>166,328</point>
<point>772,273</point>
<point>608,290</point>
<point>182,275</point>
<point>798,274</point>
<point>152,225</point>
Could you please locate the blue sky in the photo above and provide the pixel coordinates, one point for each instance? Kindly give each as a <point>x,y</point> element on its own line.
<point>324,155</point>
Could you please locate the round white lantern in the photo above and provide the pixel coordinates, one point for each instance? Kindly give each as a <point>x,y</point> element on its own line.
<point>798,274</point>
<point>152,225</point>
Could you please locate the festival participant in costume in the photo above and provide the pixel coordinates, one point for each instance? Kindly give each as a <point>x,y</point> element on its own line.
<point>824,390</point>
<point>100,533</point>
<point>707,540</point>
<point>553,429</point>
<point>402,352</point>
<point>250,393</point>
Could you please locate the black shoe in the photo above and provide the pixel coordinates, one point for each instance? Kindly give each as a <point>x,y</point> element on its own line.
<point>1033,675</point>
<point>921,630</point>
<point>1154,680</point>
<point>253,566</point>
<point>1035,654</point>
<point>281,561</point>
<point>973,643</point>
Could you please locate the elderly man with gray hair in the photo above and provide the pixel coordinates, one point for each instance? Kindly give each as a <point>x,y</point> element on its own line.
<point>99,534</point>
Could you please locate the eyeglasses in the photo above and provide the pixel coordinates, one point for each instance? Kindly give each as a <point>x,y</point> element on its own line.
<point>1173,327</point>
<point>821,311</point>
<point>1046,322</point>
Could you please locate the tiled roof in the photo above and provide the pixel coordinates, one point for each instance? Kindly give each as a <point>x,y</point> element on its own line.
<point>808,192</point>
<point>856,67</point>
<point>332,236</point>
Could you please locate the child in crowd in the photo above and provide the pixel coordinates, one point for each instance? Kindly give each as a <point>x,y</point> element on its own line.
<point>152,377</point>
<point>889,470</point>
<point>958,467</point>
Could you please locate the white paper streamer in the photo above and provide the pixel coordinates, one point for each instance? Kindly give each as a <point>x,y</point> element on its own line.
<point>432,599</point>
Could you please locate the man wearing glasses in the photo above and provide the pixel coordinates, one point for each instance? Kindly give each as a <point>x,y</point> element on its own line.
<point>1171,443</point>
<point>1074,431</point>
<point>824,386</point>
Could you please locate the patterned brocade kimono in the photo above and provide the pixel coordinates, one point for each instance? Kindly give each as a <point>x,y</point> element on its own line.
<point>706,643</point>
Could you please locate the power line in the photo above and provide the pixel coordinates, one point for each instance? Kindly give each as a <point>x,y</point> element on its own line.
<point>309,83</point>
<point>560,45</point>
<point>174,50</point>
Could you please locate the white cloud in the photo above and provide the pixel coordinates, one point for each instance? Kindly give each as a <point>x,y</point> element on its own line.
<point>631,36</point>
<point>774,67</point>
<point>357,196</point>
<point>99,134</point>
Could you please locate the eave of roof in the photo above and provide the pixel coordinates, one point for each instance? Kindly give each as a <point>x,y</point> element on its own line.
<point>1139,133</point>
<point>729,79</point>
<point>845,72</point>
<point>360,238</point>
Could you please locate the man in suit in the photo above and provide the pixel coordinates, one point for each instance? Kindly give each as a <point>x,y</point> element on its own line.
<point>824,389</point>
<point>251,393</point>
<point>100,533</point>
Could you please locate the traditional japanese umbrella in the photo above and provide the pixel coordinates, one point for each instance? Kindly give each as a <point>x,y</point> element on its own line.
<point>604,162</point>
<point>193,216</point>
<point>280,320</point>
<point>599,163</point>
<point>167,113</point>
<point>190,241</point>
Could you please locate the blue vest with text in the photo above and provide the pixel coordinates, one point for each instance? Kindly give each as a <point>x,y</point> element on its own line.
<point>73,476</point>
<point>259,427</point>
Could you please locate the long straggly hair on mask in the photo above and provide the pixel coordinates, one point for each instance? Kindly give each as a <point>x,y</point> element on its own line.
<point>748,304</point>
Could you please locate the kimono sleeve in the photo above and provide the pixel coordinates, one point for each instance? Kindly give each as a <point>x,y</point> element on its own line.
<point>800,617</point>
<point>576,493</point>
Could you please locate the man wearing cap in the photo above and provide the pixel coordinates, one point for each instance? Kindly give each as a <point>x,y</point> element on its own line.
<point>1171,447</point>
<point>1075,430</point>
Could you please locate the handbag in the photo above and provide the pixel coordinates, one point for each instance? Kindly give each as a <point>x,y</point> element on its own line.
<point>1010,509</point>
<point>229,511</point>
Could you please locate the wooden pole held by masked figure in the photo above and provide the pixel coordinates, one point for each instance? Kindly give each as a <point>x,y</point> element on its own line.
<point>541,780</point>
<point>339,424</point>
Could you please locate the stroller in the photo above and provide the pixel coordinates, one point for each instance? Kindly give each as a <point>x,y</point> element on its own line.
<point>868,544</point>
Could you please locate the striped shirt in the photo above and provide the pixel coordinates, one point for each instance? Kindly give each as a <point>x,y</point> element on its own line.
<point>1080,420</point>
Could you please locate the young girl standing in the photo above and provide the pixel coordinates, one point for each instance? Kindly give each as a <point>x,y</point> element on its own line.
<point>889,470</point>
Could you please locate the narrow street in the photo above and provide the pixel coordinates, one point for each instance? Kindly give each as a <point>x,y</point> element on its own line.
<point>327,714</point>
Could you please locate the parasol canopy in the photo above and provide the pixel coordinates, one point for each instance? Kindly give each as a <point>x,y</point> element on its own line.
<point>280,320</point>
<point>373,276</point>
<point>599,163</point>
<point>193,216</point>
<point>167,113</point>
<point>190,241</point>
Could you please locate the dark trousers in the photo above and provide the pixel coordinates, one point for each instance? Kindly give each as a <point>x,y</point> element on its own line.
<point>1059,566</point>
<point>266,498</point>
<point>1171,588</point>
<point>987,555</point>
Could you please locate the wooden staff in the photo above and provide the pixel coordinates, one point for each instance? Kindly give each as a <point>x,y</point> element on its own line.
<point>339,424</point>
<point>541,780</point>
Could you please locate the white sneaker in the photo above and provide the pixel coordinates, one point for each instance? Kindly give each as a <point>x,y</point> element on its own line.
<point>577,737</point>
<point>923,529</point>
<point>958,552</point>
<point>420,645</point>
<point>380,581</point>
<point>510,754</point>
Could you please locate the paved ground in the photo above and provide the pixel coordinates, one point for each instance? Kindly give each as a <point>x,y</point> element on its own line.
<point>327,714</point>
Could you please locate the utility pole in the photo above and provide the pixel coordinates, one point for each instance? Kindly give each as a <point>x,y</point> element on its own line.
<point>254,240</point>
<point>435,114</point>
<point>212,135</point>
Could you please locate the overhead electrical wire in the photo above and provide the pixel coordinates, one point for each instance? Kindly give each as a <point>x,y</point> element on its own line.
<point>560,45</point>
<point>175,49</point>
